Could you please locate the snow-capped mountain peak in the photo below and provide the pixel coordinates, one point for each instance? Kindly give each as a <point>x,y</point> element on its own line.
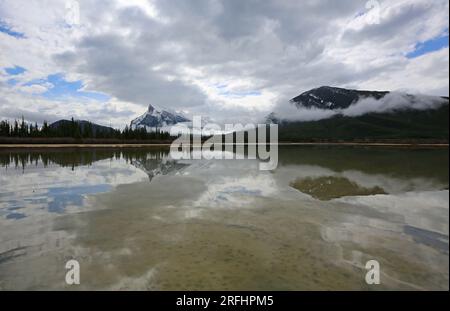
<point>157,118</point>
<point>327,97</point>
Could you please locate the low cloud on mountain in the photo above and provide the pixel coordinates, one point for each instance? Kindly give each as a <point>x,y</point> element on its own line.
<point>392,102</point>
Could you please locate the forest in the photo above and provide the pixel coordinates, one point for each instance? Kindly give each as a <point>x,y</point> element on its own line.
<point>76,130</point>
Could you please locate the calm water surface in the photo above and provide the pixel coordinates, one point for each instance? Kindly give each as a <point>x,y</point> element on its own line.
<point>135,219</point>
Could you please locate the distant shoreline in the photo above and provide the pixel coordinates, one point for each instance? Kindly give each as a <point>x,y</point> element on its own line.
<point>143,145</point>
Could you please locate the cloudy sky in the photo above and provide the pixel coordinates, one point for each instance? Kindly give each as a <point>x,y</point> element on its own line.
<point>230,60</point>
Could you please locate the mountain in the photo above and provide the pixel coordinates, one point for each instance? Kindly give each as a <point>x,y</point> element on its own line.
<point>401,124</point>
<point>157,119</point>
<point>327,97</point>
<point>82,124</point>
<point>158,166</point>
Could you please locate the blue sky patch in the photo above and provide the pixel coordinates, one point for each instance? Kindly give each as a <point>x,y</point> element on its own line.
<point>223,91</point>
<point>12,82</point>
<point>239,94</point>
<point>63,197</point>
<point>5,28</point>
<point>14,71</point>
<point>61,88</point>
<point>429,46</point>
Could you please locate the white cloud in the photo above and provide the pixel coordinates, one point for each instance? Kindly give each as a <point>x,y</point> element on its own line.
<point>394,101</point>
<point>33,89</point>
<point>174,54</point>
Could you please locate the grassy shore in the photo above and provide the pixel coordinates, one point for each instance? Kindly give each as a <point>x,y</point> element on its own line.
<point>138,145</point>
<point>16,142</point>
<point>62,141</point>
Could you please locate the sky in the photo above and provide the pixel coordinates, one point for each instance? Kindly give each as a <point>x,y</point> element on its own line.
<point>229,61</point>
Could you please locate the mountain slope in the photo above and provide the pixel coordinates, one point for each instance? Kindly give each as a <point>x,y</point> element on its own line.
<point>327,97</point>
<point>157,118</point>
<point>65,126</point>
<point>427,124</point>
<point>410,124</point>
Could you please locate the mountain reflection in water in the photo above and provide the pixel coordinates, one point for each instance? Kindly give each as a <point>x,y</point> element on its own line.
<point>310,224</point>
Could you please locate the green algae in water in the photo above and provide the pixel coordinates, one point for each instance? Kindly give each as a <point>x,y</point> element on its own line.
<point>331,187</point>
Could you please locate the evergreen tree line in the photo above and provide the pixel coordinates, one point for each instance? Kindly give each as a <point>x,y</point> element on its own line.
<point>74,129</point>
<point>69,158</point>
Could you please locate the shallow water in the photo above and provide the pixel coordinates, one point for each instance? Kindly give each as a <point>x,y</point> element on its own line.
<point>135,219</point>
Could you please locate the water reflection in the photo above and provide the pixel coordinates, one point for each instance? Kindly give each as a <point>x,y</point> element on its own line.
<point>57,180</point>
<point>155,165</point>
<point>224,224</point>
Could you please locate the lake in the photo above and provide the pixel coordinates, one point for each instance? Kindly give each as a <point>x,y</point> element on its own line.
<point>135,219</point>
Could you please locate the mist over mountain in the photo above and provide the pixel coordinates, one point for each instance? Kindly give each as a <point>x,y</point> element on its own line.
<point>329,113</point>
<point>325,102</point>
